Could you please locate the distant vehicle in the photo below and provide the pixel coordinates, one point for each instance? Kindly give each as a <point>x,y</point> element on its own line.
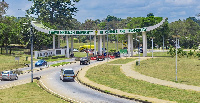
<point>75,50</point>
<point>8,75</point>
<point>84,47</point>
<point>100,57</point>
<point>141,50</point>
<point>41,63</point>
<point>67,74</point>
<point>116,54</point>
<point>85,60</point>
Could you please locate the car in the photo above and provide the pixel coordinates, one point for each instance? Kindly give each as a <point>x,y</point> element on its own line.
<point>41,63</point>
<point>116,54</point>
<point>67,74</point>
<point>8,75</point>
<point>84,60</point>
<point>100,57</point>
<point>75,50</point>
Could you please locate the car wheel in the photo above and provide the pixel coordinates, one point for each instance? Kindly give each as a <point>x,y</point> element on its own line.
<point>16,78</point>
<point>89,62</point>
<point>80,63</point>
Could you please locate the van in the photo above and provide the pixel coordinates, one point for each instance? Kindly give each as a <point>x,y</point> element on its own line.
<point>67,74</point>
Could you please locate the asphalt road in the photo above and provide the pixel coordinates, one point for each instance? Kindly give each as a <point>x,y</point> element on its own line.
<point>73,90</point>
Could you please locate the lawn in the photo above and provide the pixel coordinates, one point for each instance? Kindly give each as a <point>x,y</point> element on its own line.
<point>111,76</point>
<point>164,68</point>
<point>8,62</point>
<point>27,93</point>
<point>121,61</point>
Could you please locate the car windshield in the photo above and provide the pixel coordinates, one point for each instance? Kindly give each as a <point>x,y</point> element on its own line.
<point>83,59</point>
<point>68,72</point>
<point>5,73</point>
<point>40,61</point>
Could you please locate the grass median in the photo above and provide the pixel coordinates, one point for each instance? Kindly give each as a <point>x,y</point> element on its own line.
<point>165,68</point>
<point>27,93</point>
<point>121,61</point>
<point>111,76</point>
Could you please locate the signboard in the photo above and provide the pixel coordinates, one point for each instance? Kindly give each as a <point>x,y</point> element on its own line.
<point>94,32</point>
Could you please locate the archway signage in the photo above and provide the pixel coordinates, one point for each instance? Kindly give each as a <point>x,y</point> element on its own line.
<point>98,32</point>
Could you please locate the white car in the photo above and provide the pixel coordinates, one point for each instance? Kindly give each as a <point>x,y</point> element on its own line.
<point>75,50</point>
<point>67,74</point>
<point>8,75</point>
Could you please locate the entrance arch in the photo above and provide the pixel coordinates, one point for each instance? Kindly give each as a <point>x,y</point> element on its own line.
<point>101,35</point>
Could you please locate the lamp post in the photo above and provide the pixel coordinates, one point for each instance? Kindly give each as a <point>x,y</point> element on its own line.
<point>176,36</point>
<point>31,39</point>
<point>152,44</point>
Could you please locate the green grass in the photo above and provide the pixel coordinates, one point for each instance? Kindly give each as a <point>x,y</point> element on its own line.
<point>111,76</point>
<point>58,64</point>
<point>121,61</point>
<point>164,68</point>
<point>27,93</point>
<point>8,62</point>
<point>80,54</point>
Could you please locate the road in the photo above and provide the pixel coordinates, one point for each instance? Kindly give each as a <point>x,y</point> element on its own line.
<point>73,90</point>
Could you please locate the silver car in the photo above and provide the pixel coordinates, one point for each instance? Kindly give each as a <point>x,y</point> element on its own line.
<point>67,74</point>
<point>8,75</point>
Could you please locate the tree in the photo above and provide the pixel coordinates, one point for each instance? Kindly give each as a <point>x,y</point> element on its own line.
<point>10,31</point>
<point>3,8</point>
<point>150,14</point>
<point>55,14</point>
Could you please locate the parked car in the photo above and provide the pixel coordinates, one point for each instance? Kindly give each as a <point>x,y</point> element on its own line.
<point>84,60</point>
<point>100,57</point>
<point>75,50</point>
<point>41,63</point>
<point>67,74</point>
<point>8,75</point>
<point>116,54</point>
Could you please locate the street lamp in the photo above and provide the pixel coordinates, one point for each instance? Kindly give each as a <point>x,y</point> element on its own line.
<point>31,39</point>
<point>152,44</point>
<point>176,36</point>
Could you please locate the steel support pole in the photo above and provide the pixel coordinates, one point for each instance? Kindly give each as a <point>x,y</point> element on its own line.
<point>31,54</point>
<point>176,58</point>
<point>152,47</point>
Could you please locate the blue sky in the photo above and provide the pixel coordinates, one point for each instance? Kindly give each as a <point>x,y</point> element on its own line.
<point>100,9</point>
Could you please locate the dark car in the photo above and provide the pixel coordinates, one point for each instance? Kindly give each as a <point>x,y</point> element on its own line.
<point>116,54</point>
<point>41,63</point>
<point>84,60</point>
<point>141,50</point>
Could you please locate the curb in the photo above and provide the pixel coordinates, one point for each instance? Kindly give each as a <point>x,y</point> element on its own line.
<point>44,87</point>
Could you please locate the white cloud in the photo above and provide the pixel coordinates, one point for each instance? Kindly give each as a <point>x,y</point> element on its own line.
<point>181,2</point>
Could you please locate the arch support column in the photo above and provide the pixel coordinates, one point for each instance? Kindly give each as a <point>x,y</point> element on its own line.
<point>54,47</point>
<point>129,44</point>
<point>72,43</point>
<point>144,38</point>
<point>67,51</point>
<point>95,38</point>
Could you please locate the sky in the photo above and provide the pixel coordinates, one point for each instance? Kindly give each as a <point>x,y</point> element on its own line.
<point>100,9</point>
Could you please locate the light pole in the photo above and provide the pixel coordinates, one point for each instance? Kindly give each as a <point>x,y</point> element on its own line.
<point>176,36</point>
<point>31,39</point>
<point>152,44</point>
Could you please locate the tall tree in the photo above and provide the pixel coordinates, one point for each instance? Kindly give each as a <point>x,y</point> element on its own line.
<point>3,8</point>
<point>55,14</point>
